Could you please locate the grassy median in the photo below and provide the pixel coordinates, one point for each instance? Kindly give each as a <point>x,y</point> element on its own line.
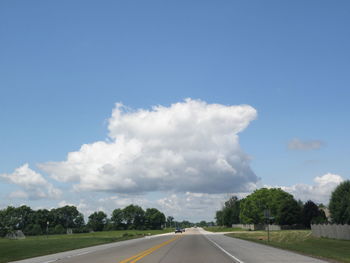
<point>11,250</point>
<point>303,242</point>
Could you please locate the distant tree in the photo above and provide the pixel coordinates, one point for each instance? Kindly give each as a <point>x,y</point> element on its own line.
<point>311,212</point>
<point>274,199</point>
<point>66,216</point>
<point>134,217</point>
<point>154,219</point>
<point>41,217</point>
<point>58,229</point>
<point>97,221</point>
<point>231,211</point>
<point>202,223</point>
<point>219,218</point>
<point>339,205</point>
<point>117,219</point>
<point>33,230</point>
<point>169,221</point>
<point>9,220</point>
<point>289,213</point>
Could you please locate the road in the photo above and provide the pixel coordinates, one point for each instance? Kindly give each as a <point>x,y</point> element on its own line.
<point>193,246</point>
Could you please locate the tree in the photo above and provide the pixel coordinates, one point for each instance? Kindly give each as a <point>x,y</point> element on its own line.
<point>219,218</point>
<point>229,214</point>
<point>117,219</point>
<point>134,217</point>
<point>231,211</point>
<point>154,219</point>
<point>97,221</point>
<point>169,221</point>
<point>311,212</point>
<point>339,205</point>
<point>66,216</point>
<point>274,199</point>
<point>289,213</point>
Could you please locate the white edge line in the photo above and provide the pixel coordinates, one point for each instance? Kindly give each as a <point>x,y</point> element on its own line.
<point>223,250</point>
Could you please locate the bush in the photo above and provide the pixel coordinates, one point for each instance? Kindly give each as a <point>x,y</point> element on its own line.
<point>33,230</point>
<point>59,229</point>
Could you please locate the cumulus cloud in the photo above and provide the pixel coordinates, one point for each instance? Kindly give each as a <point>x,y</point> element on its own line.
<point>190,146</point>
<point>297,144</point>
<point>319,192</point>
<point>33,184</point>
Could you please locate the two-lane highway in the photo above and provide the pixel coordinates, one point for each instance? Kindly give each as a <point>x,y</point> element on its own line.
<point>193,246</point>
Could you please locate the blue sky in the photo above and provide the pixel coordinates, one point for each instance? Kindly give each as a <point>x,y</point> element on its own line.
<point>64,65</point>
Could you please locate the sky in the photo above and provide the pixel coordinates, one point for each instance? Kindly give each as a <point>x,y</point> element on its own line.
<point>172,104</point>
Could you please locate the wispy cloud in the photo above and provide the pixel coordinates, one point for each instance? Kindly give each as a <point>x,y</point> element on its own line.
<point>306,145</point>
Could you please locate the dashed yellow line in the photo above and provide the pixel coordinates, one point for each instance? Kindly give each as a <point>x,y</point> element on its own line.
<point>142,254</point>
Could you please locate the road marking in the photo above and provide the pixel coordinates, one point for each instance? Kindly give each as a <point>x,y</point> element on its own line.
<point>223,250</point>
<point>142,254</point>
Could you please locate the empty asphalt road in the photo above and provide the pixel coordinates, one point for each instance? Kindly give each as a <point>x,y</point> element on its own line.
<point>193,246</point>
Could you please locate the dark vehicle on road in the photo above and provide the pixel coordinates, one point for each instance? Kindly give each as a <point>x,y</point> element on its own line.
<point>178,230</point>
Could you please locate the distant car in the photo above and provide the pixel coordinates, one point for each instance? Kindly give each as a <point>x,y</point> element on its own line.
<point>183,230</point>
<point>178,230</point>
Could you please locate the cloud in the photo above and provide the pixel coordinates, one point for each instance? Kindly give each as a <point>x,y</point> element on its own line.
<point>297,144</point>
<point>33,184</point>
<point>319,192</point>
<point>190,146</point>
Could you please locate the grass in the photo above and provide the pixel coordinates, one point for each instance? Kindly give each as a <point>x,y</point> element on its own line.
<point>11,250</point>
<point>222,229</point>
<point>303,242</point>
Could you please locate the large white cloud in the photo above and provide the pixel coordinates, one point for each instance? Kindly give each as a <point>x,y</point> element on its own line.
<point>190,146</point>
<point>33,184</point>
<point>319,192</point>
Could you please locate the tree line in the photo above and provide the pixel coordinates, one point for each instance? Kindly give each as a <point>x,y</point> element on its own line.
<point>58,220</point>
<point>284,209</point>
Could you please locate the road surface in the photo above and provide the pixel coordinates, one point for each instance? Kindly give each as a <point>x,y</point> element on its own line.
<point>193,246</point>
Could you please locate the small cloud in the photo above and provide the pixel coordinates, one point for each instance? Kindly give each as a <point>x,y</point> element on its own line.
<point>33,184</point>
<point>319,192</point>
<point>299,145</point>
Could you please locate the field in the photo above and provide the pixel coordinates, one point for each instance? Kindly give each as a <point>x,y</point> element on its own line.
<point>301,241</point>
<point>222,229</point>
<point>11,250</point>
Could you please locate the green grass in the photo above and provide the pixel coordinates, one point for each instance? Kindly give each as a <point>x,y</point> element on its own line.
<point>303,242</point>
<point>11,250</point>
<point>222,229</point>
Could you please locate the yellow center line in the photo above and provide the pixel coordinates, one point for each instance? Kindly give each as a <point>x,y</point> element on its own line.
<point>142,254</point>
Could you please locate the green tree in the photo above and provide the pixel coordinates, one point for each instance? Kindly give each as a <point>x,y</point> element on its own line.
<point>97,221</point>
<point>154,219</point>
<point>231,211</point>
<point>117,219</point>
<point>311,212</point>
<point>169,221</point>
<point>275,199</point>
<point>339,205</point>
<point>134,216</point>
<point>66,216</point>
<point>289,213</point>
<point>219,218</point>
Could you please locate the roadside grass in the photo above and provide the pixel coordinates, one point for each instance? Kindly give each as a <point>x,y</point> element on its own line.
<point>222,229</point>
<point>11,250</point>
<point>303,242</point>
